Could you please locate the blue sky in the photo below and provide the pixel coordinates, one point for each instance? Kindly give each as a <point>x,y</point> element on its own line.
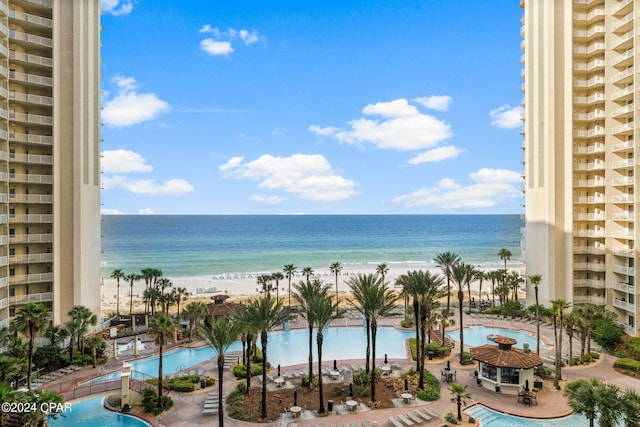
<point>311,107</point>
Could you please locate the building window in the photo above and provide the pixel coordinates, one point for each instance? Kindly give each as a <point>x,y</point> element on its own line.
<point>490,372</point>
<point>632,321</point>
<point>509,376</point>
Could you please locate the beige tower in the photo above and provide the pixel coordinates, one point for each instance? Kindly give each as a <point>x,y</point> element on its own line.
<point>49,156</point>
<point>578,68</point>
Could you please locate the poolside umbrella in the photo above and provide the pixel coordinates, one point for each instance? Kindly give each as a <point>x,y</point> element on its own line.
<point>295,398</point>
<point>526,385</point>
<point>448,365</point>
<point>350,389</point>
<point>406,385</point>
<point>278,370</point>
<point>386,361</point>
<point>335,365</point>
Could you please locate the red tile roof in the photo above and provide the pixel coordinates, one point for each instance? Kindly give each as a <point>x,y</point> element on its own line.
<point>514,358</point>
<point>500,339</point>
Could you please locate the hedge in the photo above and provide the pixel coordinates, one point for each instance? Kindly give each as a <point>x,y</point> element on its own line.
<point>630,364</point>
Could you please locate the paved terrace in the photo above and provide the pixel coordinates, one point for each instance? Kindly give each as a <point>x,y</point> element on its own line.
<point>551,403</point>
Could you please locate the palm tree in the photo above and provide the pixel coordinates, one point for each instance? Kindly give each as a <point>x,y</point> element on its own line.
<point>242,316</point>
<point>557,309</point>
<point>307,272</point>
<point>55,334</point>
<point>265,313</point>
<point>631,408</point>
<point>336,268</point>
<point>85,318</point>
<point>459,393</point>
<point>289,271</point>
<point>151,296</point>
<point>193,313</point>
<point>181,294</point>
<point>73,329</point>
<point>133,277</point>
<point>94,343</point>
<point>324,312</point>
<point>462,274</point>
<point>31,320</point>
<point>494,275</point>
<point>505,255</point>
<point>360,286</point>
<point>582,397</point>
<point>220,336</point>
<point>382,270</point>
<point>162,329</point>
<point>304,293</point>
<point>118,274</point>
<point>277,276</point>
<point>535,281</point>
<point>446,260</point>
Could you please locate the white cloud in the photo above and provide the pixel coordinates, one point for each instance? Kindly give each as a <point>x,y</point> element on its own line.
<point>123,161</point>
<point>437,155</point>
<point>507,117</point>
<point>267,200</point>
<point>105,211</point>
<point>128,107</point>
<point>402,127</point>
<point>171,187</point>
<point>434,102</point>
<point>309,176</point>
<point>146,211</point>
<point>221,42</point>
<point>215,47</point>
<point>491,188</point>
<point>116,7</point>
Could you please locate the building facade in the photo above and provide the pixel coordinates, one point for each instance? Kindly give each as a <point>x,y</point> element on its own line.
<point>579,151</point>
<point>49,156</point>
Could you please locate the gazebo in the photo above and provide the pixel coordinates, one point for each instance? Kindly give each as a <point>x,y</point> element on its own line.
<point>503,367</point>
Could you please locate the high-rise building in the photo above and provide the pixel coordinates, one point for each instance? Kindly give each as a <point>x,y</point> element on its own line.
<point>49,156</point>
<point>579,151</point>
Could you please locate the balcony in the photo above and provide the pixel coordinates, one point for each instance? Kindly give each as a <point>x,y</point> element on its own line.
<point>588,149</point>
<point>31,258</point>
<point>589,132</point>
<point>31,158</point>
<point>31,138</point>
<point>624,23</point>
<point>591,250</point>
<point>31,19</point>
<point>590,199</point>
<point>627,110</point>
<point>589,66</point>
<point>30,39</point>
<point>628,253</point>
<point>23,299</point>
<point>589,183</point>
<point>589,283</point>
<point>624,305</point>
<point>31,198</point>
<point>623,269</point>
<point>586,100</point>
<point>30,59</point>
<point>624,287</point>
<point>589,266</point>
<point>30,278</point>
<point>30,238</point>
<point>590,217</point>
<point>620,60</point>
<point>629,234</point>
<point>587,299</point>
<point>30,178</point>
<point>623,75</point>
<point>625,198</point>
<point>31,99</point>
<point>627,180</point>
<point>589,49</point>
<point>628,91</point>
<point>622,216</point>
<point>34,218</point>
<point>620,6</point>
<point>628,36</point>
<point>597,165</point>
<point>31,118</point>
<point>589,233</point>
<point>595,13</point>
<point>628,163</point>
<point>31,78</point>
<point>595,30</point>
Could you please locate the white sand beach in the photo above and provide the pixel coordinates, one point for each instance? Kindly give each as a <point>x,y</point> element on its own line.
<point>241,286</point>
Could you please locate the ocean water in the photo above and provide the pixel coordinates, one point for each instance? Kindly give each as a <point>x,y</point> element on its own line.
<point>200,245</point>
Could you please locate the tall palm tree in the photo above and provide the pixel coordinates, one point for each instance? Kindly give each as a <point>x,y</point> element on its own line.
<point>446,260</point>
<point>148,275</point>
<point>289,271</point>
<point>505,255</point>
<point>535,280</point>
<point>94,343</point>
<point>73,329</point>
<point>85,318</point>
<point>459,393</point>
<point>194,312</point>
<point>461,274</point>
<point>131,278</point>
<point>55,334</point>
<point>242,316</point>
<point>631,408</point>
<point>220,336</point>
<point>31,320</point>
<point>360,286</point>
<point>181,294</point>
<point>277,276</point>
<point>162,328</point>
<point>118,274</point>
<point>266,313</point>
<point>307,272</point>
<point>151,296</point>
<point>304,293</point>
<point>583,397</point>
<point>558,306</point>
<point>336,268</point>
<point>479,275</point>
<point>324,312</point>
<point>494,275</point>
<point>382,270</point>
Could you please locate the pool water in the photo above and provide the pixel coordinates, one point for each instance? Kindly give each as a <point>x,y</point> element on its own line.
<point>91,413</point>
<point>490,418</point>
<point>475,336</point>
<point>285,348</point>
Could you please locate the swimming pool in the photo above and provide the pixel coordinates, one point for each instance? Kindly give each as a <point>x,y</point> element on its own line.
<point>490,418</point>
<point>475,336</point>
<point>285,348</point>
<point>91,413</point>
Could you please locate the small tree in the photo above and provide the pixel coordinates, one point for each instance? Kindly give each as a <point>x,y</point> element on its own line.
<point>459,393</point>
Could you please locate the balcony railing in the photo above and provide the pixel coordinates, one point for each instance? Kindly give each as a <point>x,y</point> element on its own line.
<point>21,218</point>
<point>32,158</point>
<point>31,278</point>
<point>31,238</point>
<point>589,266</point>
<point>623,145</point>
<point>590,217</point>
<point>30,38</point>
<point>590,199</point>
<point>32,19</point>
<point>623,234</point>
<point>596,182</point>
<point>47,257</point>
<point>31,118</point>
<point>23,299</point>
<point>589,233</point>
<point>588,299</point>
<point>624,305</point>
<point>30,198</point>
<point>589,166</point>
<point>31,138</point>
<point>32,59</point>
<point>626,198</point>
<point>589,66</point>
<point>624,287</point>
<point>32,99</point>
<point>629,253</point>
<point>31,178</point>
<point>624,163</point>
<point>591,250</point>
<point>620,5</point>
<point>589,149</point>
<point>31,78</point>
<point>621,22</point>
<point>589,283</point>
<point>623,269</point>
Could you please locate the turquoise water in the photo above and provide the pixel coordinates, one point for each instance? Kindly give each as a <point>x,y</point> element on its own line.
<point>285,348</point>
<point>490,418</point>
<point>475,336</point>
<point>197,245</point>
<point>90,413</point>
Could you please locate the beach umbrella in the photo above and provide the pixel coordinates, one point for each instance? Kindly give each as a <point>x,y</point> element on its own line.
<point>448,365</point>
<point>278,370</point>
<point>406,385</point>
<point>295,398</point>
<point>386,361</point>
<point>350,389</point>
<point>526,385</point>
<point>335,365</point>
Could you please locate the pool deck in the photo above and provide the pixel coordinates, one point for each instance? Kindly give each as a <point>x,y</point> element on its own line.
<point>551,403</point>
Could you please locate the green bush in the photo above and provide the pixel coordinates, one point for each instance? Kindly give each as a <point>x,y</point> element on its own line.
<point>360,378</point>
<point>430,395</point>
<point>628,364</point>
<point>49,357</point>
<point>240,371</point>
<point>182,386</point>
<point>241,388</point>
<point>305,381</point>
<point>150,401</point>
<point>407,323</point>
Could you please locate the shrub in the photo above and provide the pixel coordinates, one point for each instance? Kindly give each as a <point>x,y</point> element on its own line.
<point>240,371</point>
<point>607,333</point>
<point>241,388</point>
<point>305,381</point>
<point>182,386</point>
<point>150,401</point>
<point>48,356</point>
<point>361,378</point>
<point>628,364</point>
<point>407,323</point>
<point>431,394</point>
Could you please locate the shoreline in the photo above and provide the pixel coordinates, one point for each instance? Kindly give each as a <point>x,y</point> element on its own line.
<point>241,286</point>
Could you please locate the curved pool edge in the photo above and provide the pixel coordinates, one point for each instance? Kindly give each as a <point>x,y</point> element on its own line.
<point>105,405</point>
<point>515,414</point>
